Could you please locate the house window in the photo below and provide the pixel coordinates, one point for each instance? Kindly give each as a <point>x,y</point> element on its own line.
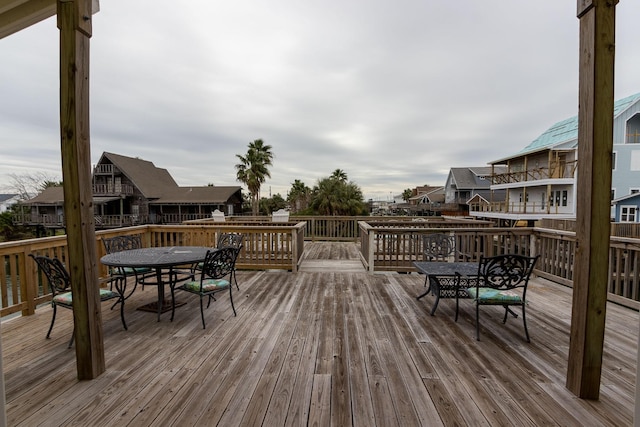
<point>634,190</point>
<point>613,194</point>
<point>635,160</point>
<point>628,213</point>
<point>558,198</point>
<point>633,129</point>
<point>614,157</point>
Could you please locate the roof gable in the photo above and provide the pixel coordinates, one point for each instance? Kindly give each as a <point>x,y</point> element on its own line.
<point>633,198</point>
<point>473,177</point>
<point>567,130</point>
<point>149,179</point>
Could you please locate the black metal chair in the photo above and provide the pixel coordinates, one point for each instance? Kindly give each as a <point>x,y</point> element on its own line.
<point>215,276</point>
<point>231,240</point>
<point>439,247</point>
<point>60,284</point>
<point>123,243</point>
<point>501,280</point>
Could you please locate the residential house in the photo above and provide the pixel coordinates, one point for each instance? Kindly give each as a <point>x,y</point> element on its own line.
<point>540,180</point>
<point>427,200</point>
<point>129,191</point>
<point>627,208</point>
<point>7,200</point>
<point>465,183</point>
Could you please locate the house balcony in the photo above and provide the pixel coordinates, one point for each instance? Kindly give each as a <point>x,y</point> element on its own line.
<point>105,169</point>
<point>324,347</point>
<point>112,190</point>
<point>557,171</point>
<point>521,208</point>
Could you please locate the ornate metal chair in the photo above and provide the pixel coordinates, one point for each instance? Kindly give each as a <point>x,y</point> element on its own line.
<point>124,243</point>
<point>439,247</point>
<point>231,240</point>
<point>60,284</point>
<point>217,266</point>
<point>501,280</point>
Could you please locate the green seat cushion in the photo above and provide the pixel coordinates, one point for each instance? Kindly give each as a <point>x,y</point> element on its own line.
<point>66,298</point>
<point>494,296</point>
<point>129,271</point>
<point>208,285</point>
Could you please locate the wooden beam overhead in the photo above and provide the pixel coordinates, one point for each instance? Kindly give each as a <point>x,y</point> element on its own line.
<point>16,15</point>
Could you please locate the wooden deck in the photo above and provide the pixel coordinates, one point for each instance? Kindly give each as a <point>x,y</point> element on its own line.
<point>319,348</point>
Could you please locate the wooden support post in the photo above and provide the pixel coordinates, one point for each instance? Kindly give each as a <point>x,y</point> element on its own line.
<point>74,22</point>
<point>595,145</point>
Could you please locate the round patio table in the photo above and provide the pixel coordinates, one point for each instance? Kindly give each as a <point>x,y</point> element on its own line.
<point>158,258</point>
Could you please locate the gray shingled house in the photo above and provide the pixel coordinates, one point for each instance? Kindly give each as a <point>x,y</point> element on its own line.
<point>467,183</point>
<point>128,191</point>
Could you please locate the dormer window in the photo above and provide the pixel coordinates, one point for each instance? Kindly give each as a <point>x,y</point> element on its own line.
<point>633,130</point>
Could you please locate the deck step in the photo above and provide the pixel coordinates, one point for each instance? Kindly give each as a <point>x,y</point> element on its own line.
<point>325,265</point>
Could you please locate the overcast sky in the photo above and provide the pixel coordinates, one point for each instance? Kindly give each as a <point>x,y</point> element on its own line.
<point>394,93</point>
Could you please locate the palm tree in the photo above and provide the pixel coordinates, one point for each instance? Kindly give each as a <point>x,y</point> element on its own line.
<point>298,196</point>
<point>340,175</point>
<point>253,170</point>
<point>333,196</point>
<point>406,194</point>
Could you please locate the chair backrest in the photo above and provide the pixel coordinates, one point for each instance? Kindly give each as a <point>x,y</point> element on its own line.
<point>280,216</point>
<point>57,275</point>
<point>217,215</point>
<point>219,263</point>
<point>122,243</point>
<point>438,246</point>
<point>230,240</point>
<point>505,272</point>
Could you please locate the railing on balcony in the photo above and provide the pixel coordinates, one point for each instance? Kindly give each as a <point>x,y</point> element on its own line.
<point>555,171</point>
<point>103,169</point>
<point>111,189</point>
<point>395,249</point>
<point>384,246</point>
<point>27,218</point>
<point>265,246</point>
<point>520,208</point>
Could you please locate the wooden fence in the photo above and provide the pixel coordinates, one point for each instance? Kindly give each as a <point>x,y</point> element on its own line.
<point>23,287</point>
<point>396,248</point>
<point>389,245</point>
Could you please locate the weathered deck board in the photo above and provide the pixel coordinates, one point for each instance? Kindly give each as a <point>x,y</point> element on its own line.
<point>330,347</point>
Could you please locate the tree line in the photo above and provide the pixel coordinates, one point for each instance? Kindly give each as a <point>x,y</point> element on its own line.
<point>332,195</point>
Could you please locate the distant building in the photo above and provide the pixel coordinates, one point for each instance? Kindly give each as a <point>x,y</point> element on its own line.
<point>129,191</point>
<point>541,180</point>
<point>8,200</point>
<point>627,208</point>
<point>466,184</point>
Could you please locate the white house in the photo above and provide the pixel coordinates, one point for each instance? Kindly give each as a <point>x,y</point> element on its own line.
<point>540,180</point>
<point>6,200</point>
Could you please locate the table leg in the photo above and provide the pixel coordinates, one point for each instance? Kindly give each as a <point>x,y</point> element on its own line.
<point>160,291</point>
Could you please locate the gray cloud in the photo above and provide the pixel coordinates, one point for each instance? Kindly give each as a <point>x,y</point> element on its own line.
<point>394,93</point>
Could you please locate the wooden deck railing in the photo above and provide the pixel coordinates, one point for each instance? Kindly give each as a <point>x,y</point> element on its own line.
<point>266,246</point>
<point>395,249</point>
<point>384,246</point>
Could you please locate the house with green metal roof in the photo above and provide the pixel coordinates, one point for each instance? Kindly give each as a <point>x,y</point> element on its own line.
<point>540,180</point>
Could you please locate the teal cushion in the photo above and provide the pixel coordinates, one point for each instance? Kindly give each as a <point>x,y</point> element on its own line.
<point>208,285</point>
<point>494,296</point>
<point>66,298</point>
<point>129,271</point>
